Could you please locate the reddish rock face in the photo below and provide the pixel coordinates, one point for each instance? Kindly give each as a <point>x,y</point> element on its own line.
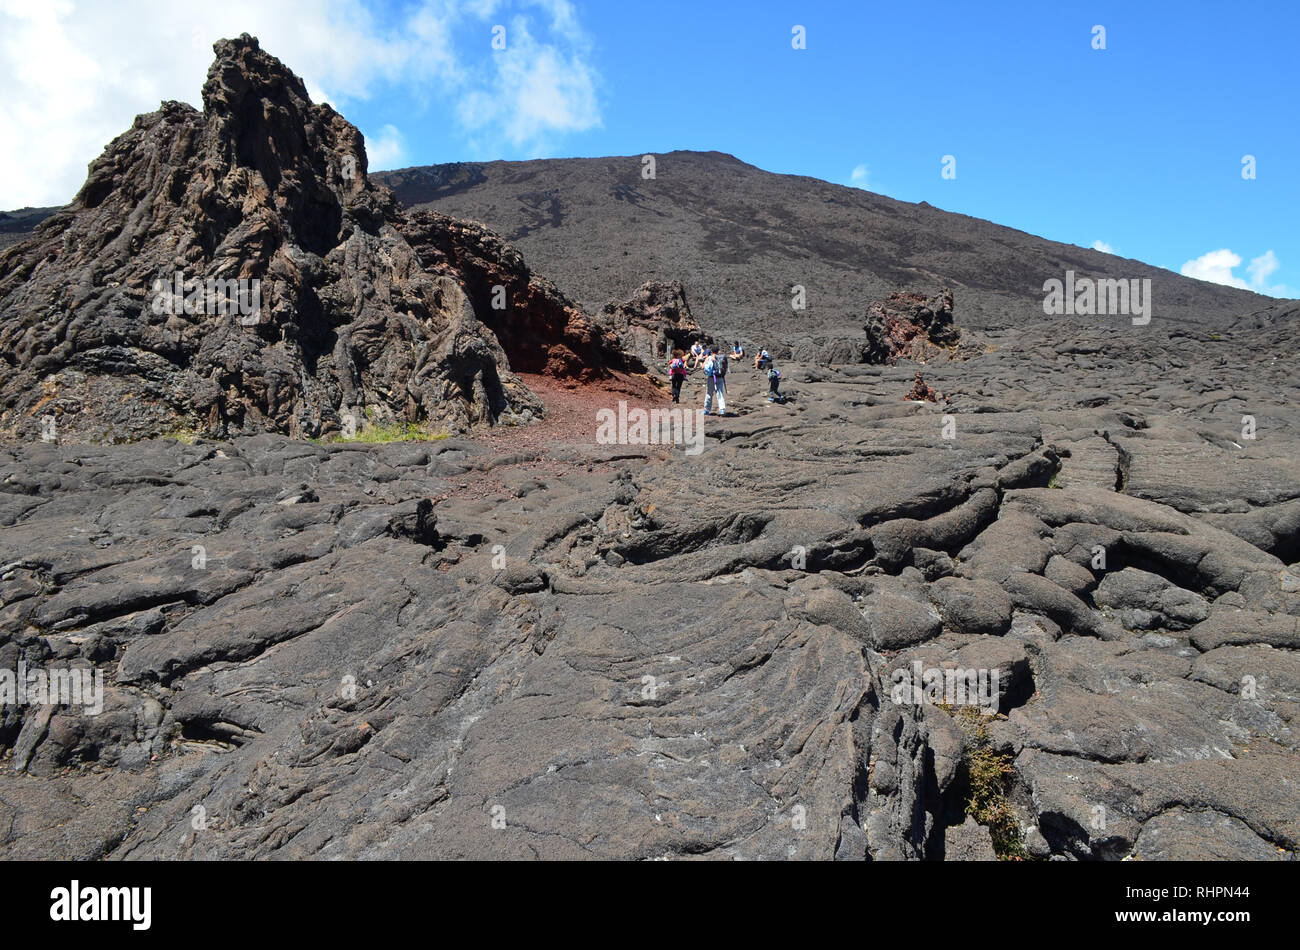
<point>921,391</point>
<point>346,306</point>
<point>910,326</point>
<point>540,329</point>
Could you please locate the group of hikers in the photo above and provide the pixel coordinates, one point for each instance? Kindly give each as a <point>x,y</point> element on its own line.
<point>715,364</point>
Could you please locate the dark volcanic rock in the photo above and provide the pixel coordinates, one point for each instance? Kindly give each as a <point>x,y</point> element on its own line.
<point>909,326</point>
<point>654,321</point>
<point>388,648</point>
<point>16,226</point>
<point>344,307</point>
<point>921,391</point>
<point>540,329</point>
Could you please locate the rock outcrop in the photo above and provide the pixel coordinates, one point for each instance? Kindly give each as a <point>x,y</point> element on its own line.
<point>654,321</point>
<point>922,391</point>
<point>541,330</point>
<point>910,326</point>
<point>234,270</point>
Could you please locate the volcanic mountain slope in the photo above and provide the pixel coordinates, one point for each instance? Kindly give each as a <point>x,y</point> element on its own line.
<point>358,308</point>
<point>739,238</point>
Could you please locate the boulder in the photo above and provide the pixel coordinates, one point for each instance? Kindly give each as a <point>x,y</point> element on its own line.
<point>652,322</point>
<point>909,325</point>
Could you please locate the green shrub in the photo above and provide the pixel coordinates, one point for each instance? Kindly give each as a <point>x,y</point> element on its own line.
<point>990,774</point>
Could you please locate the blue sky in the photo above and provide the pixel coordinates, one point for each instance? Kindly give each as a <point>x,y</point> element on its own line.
<point>1138,145</point>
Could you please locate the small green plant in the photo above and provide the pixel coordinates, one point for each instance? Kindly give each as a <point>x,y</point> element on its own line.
<point>390,432</point>
<point>990,774</point>
<point>183,434</point>
<point>1054,481</point>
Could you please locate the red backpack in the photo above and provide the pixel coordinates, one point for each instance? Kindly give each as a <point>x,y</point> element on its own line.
<point>677,367</point>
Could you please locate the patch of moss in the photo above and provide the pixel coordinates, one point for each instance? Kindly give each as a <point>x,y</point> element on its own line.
<point>379,434</point>
<point>183,434</point>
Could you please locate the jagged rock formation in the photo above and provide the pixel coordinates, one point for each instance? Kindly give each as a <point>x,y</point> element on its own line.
<point>908,325</point>
<point>904,326</point>
<point>653,321</point>
<point>922,391</point>
<point>104,340</point>
<point>541,330</point>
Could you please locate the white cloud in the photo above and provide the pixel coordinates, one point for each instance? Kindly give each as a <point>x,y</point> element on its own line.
<point>1218,266</point>
<point>1261,268</point>
<point>387,149</point>
<point>75,73</point>
<point>1103,247</point>
<point>860,176</point>
<point>537,90</point>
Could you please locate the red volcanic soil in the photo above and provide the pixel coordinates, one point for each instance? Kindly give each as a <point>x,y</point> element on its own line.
<point>570,420</point>
<point>528,451</point>
<point>571,406</point>
<point>571,409</point>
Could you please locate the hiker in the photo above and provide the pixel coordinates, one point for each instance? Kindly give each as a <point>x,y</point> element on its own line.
<point>710,382</point>
<point>737,351</point>
<point>697,351</point>
<point>774,385</point>
<point>677,374</point>
<point>762,360</point>
<point>720,381</point>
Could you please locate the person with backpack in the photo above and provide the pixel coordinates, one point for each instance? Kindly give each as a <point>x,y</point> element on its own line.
<point>762,360</point>
<point>774,385</point>
<point>677,374</point>
<point>710,381</point>
<point>720,381</point>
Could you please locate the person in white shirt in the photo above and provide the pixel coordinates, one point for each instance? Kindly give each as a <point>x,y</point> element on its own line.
<point>710,382</point>
<point>720,380</point>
